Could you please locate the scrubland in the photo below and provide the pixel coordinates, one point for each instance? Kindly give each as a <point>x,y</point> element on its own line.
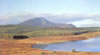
<point>10,46</point>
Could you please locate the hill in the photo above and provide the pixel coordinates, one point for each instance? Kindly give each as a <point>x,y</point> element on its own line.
<point>40,27</point>
<point>42,22</point>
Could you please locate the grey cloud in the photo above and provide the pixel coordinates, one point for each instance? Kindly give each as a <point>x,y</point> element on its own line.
<point>52,17</point>
<point>65,18</point>
<point>91,25</point>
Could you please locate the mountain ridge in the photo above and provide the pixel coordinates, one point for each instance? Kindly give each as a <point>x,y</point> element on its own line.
<point>42,22</point>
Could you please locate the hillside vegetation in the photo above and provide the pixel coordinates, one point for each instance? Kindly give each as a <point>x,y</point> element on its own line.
<point>8,31</point>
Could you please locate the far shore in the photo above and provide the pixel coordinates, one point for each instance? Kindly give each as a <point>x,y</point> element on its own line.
<point>57,39</point>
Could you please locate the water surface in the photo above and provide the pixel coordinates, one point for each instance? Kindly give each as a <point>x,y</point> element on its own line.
<point>81,45</point>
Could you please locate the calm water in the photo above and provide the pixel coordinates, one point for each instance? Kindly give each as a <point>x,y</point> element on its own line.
<point>83,45</point>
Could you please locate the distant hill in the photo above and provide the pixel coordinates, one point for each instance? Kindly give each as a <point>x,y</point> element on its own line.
<point>42,22</point>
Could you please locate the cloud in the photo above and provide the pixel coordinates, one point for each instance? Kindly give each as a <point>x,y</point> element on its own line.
<point>87,23</point>
<point>76,19</point>
<point>14,19</point>
<point>79,20</point>
<point>91,21</point>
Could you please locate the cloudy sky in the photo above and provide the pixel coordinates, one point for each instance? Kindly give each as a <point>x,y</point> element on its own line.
<point>78,12</point>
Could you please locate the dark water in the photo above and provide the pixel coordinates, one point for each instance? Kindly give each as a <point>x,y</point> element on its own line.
<point>82,45</point>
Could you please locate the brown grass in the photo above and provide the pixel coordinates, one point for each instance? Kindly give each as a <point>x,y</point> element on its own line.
<point>24,47</point>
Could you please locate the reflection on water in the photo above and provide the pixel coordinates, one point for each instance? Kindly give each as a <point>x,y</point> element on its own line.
<point>83,45</point>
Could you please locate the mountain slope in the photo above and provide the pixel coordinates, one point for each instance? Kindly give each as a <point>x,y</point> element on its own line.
<point>42,22</point>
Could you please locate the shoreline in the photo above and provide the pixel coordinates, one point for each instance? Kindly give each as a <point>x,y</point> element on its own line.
<point>57,39</point>
<point>24,47</point>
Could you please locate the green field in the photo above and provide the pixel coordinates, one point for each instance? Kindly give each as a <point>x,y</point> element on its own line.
<point>8,31</point>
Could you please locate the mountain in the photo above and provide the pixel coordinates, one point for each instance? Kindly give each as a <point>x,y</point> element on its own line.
<point>42,22</point>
